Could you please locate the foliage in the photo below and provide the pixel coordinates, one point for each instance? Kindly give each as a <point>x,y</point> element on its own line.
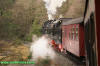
<point>4,4</point>
<point>30,56</point>
<point>13,52</point>
<point>39,17</point>
<point>64,8</point>
<point>70,9</point>
<point>18,23</point>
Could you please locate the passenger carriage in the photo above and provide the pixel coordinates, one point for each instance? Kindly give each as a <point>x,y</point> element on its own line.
<point>73,36</point>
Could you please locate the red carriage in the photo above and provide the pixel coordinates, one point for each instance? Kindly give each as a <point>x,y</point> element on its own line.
<point>73,36</point>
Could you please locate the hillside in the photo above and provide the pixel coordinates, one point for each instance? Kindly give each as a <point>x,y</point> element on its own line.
<point>19,19</point>
<point>72,9</point>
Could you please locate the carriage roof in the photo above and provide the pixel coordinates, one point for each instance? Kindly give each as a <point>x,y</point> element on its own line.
<point>72,21</point>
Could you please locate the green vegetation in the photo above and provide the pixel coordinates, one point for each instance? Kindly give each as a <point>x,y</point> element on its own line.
<point>9,51</point>
<point>30,56</point>
<point>65,7</point>
<point>40,16</point>
<point>20,21</point>
<point>44,61</point>
<point>71,9</point>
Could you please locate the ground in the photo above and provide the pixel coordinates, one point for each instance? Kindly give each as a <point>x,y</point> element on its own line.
<point>59,60</point>
<point>11,50</point>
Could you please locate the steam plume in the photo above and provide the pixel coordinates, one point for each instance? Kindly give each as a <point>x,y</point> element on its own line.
<point>40,48</point>
<point>51,6</point>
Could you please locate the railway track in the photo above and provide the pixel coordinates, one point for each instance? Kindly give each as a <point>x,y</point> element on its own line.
<point>75,60</point>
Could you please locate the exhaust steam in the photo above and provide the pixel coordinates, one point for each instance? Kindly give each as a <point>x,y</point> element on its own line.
<point>51,6</point>
<point>41,49</point>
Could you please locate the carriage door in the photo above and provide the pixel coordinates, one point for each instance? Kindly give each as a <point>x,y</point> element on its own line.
<point>90,41</point>
<point>63,37</point>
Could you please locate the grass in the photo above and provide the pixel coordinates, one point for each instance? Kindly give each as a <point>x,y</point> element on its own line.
<point>11,50</point>
<point>43,62</point>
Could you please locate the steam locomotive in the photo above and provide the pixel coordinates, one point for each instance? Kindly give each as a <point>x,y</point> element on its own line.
<point>79,36</point>
<point>67,35</point>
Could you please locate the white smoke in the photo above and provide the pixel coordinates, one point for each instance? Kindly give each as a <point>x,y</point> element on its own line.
<point>51,6</point>
<point>60,16</point>
<point>41,49</point>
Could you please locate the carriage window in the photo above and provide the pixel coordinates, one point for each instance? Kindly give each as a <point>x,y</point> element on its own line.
<point>63,33</point>
<point>70,36</point>
<point>77,32</point>
<point>73,33</point>
<point>66,34</point>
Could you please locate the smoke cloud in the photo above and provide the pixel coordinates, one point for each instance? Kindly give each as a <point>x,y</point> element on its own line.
<point>41,49</point>
<point>51,6</point>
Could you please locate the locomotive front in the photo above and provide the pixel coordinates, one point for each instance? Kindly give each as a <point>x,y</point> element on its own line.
<point>53,29</point>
